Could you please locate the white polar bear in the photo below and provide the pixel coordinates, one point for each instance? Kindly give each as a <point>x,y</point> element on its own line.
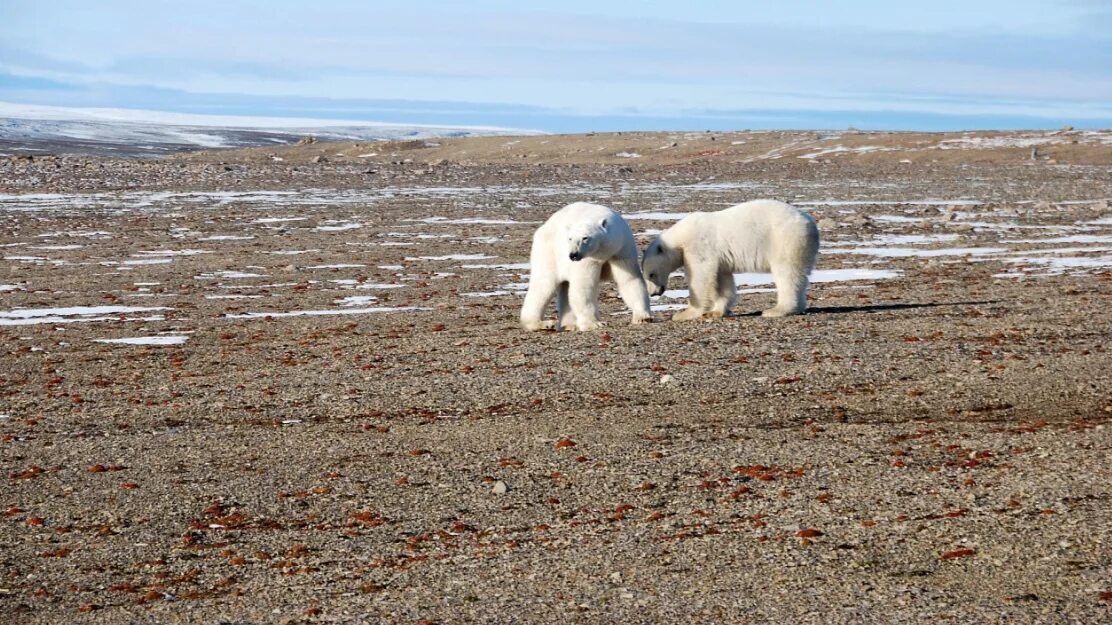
<point>762,235</point>
<point>577,247</point>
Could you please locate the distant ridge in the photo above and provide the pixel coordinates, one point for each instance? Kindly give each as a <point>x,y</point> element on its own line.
<point>36,129</point>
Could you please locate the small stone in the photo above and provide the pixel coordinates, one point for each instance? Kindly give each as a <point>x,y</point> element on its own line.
<point>500,488</point>
<point>667,379</point>
<point>827,223</point>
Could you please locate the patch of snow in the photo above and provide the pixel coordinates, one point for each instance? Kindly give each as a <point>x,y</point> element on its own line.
<point>146,340</point>
<point>841,149</point>
<point>233,296</point>
<point>1062,263</point>
<point>165,118</point>
<point>337,226</point>
<point>655,216</point>
<point>897,239</point>
<point>984,143</point>
<point>367,285</point>
<point>817,276</point>
<point>231,275</point>
<point>452,257</point>
<point>77,233</point>
<point>357,300</point>
<point>906,252</point>
<point>497,266</point>
<point>30,316</point>
<point>278,220</point>
<point>316,313</point>
<point>1076,238</point>
<point>464,220</point>
<point>172,252</point>
<point>293,252</point>
<point>338,266</point>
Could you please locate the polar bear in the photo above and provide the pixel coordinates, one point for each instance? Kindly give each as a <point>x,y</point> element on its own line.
<point>762,235</point>
<point>577,247</point>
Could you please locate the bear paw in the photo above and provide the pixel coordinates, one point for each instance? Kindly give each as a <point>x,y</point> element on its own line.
<point>687,314</point>
<point>537,326</point>
<point>589,326</point>
<point>779,312</point>
<point>638,319</point>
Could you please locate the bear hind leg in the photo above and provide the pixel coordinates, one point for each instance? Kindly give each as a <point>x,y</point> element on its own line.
<point>536,299</point>
<point>791,290</point>
<point>565,317</point>
<point>726,293</point>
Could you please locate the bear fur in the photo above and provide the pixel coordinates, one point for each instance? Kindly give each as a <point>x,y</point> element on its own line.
<point>758,236</point>
<point>580,245</point>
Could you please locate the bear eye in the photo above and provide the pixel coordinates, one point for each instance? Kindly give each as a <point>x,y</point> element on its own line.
<point>652,276</point>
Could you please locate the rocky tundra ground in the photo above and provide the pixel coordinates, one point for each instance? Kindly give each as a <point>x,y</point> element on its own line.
<point>288,385</point>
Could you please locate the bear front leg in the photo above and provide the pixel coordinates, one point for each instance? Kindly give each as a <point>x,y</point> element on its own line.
<point>702,284</point>
<point>583,294</point>
<point>631,287</point>
<point>536,299</point>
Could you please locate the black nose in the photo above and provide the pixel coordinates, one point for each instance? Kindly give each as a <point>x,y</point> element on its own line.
<point>574,256</point>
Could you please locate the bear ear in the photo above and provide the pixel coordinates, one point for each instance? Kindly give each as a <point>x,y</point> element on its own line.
<point>605,222</point>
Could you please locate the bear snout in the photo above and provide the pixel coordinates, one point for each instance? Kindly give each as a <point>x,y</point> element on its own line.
<point>574,256</point>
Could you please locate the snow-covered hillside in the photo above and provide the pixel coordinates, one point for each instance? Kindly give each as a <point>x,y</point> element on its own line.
<point>34,129</point>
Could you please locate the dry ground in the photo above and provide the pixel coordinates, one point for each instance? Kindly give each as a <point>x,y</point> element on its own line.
<point>929,443</point>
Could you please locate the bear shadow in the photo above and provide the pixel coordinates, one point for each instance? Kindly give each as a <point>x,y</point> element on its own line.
<point>871,308</point>
<point>875,308</point>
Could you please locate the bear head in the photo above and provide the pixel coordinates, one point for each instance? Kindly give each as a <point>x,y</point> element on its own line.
<point>585,237</point>
<point>658,264</point>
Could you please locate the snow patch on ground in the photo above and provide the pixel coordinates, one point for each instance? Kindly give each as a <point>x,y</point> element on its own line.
<point>907,252</point>
<point>452,257</point>
<point>32,316</point>
<point>319,313</point>
<point>841,149</point>
<point>146,340</point>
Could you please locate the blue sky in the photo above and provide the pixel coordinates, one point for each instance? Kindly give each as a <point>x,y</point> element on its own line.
<point>575,65</point>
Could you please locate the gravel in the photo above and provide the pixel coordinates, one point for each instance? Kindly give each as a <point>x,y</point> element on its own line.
<point>930,445</point>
